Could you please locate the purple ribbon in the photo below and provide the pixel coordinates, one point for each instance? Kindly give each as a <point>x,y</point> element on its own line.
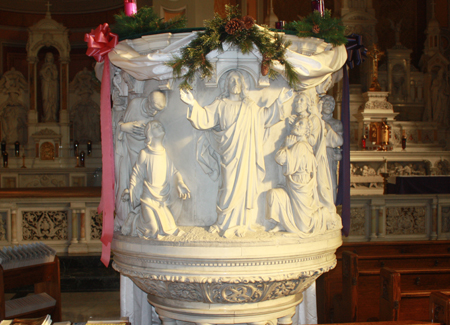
<point>356,52</point>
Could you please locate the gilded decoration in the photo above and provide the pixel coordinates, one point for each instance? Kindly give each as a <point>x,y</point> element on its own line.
<point>96,224</point>
<point>405,220</point>
<point>47,151</point>
<point>44,225</point>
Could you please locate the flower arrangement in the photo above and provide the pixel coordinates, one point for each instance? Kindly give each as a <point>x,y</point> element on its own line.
<point>239,31</point>
<point>144,21</point>
<point>315,25</point>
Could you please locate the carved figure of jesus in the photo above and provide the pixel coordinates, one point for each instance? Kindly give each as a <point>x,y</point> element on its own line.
<point>237,128</point>
<point>49,76</point>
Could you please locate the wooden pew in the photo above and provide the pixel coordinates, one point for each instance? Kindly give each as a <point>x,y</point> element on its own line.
<point>375,255</point>
<point>440,308</point>
<point>360,281</point>
<point>405,294</point>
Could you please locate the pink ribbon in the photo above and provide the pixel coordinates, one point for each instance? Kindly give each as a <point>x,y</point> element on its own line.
<point>100,43</point>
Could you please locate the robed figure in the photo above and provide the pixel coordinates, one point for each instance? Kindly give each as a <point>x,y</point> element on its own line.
<point>236,126</point>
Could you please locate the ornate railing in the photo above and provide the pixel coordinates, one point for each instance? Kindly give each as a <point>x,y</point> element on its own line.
<point>399,217</point>
<point>65,219</point>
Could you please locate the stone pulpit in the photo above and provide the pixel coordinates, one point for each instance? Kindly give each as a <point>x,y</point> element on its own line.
<point>224,194</point>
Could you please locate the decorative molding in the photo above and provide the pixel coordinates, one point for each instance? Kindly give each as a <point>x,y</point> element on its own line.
<point>133,272</point>
<point>218,292</point>
<point>45,132</point>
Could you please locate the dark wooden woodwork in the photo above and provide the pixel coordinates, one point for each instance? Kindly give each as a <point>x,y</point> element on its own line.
<point>405,294</point>
<point>45,278</point>
<point>439,308</point>
<point>371,258</point>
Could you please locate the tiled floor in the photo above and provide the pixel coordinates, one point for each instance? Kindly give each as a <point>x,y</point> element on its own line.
<point>79,306</point>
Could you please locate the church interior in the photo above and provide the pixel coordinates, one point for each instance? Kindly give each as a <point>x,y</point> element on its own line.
<point>399,141</point>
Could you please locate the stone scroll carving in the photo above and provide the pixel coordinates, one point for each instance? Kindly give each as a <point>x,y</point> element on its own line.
<point>234,126</point>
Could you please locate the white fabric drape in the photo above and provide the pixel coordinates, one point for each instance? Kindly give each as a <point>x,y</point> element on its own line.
<point>312,70</point>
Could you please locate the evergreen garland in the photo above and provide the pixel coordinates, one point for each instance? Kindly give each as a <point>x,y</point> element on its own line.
<point>314,25</point>
<point>241,32</point>
<point>144,21</point>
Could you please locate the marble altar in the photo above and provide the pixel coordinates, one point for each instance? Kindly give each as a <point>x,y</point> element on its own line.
<point>203,250</point>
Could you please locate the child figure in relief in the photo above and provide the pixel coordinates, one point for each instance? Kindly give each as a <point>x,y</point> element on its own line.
<point>151,181</point>
<point>297,208</point>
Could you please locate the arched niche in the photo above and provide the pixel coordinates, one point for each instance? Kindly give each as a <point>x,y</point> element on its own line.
<point>51,35</point>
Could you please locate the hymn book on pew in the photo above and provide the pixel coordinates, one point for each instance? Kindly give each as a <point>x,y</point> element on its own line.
<point>44,320</point>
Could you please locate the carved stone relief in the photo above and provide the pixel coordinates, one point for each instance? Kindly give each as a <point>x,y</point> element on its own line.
<point>96,224</point>
<point>407,169</point>
<point>358,221</point>
<point>13,111</point>
<point>366,175</point>
<point>44,225</point>
<point>44,180</point>
<point>405,220</point>
<point>443,167</point>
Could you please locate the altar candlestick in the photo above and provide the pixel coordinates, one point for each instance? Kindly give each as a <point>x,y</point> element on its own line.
<point>17,149</point>
<point>5,159</point>
<point>130,7</point>
<point>82,158</point>
<point>76,145</point>
<point>89,147</point>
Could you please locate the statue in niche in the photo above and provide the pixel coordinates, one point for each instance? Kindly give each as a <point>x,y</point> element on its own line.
<point>130,140</point>
<point>50,92</point>
<point>334,137</point>
<point>303,108</point>
<point>439,93</point>
<point>13,112</point>
<point>398,83</point>
<point>85,113</point>
<point>235,128</point>
<point>397,28</point>
<point>151,181</point>
<point>297,209</point>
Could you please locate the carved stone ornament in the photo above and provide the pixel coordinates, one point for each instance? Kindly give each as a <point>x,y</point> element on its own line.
<point>44,225</point>
<point>45,132</point>
<point>378,104</point>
